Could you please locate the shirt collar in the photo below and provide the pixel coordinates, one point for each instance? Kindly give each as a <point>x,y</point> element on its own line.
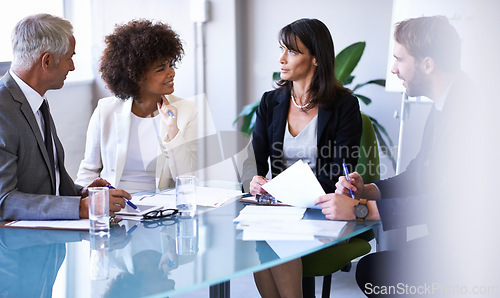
<point>34,98</point>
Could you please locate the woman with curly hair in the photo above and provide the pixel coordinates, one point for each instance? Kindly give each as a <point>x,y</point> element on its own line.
<point>142,137</point>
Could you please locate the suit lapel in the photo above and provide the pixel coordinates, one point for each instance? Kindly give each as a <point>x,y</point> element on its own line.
<point>280,112</point>
<point>323,118</point>
<point>25,108</point>
<point>122,130</point>
<point>447,117</point>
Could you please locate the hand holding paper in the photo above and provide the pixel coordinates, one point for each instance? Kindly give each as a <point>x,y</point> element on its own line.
<point>296,186</point>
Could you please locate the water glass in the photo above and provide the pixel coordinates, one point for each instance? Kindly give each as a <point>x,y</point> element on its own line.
<point>99,257</point>
<point>187,236</point>
<point>185,195</point>
<point>99,210</point>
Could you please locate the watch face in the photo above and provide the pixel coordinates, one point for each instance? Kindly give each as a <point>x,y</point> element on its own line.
<point>361,211</point>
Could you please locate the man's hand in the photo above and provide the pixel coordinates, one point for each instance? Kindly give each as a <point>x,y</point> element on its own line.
<point>84,208</point>
<point>98,182</point>
<point>337,206</point>
<point>256,185</point>
<point>117,199</point>
<point>356,184</point>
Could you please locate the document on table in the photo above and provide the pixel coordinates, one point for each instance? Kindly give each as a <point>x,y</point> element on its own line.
<point>266,214</point>
<point>283,223</point>
<point>291,230</point>
<point>77,224</point>
<point>208,196</point>
<point>296,186</point>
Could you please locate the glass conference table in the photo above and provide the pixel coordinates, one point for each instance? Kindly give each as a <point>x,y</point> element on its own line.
<point>145,259</point>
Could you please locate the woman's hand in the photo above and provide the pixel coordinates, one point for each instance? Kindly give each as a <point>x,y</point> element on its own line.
<point>256,185</point>
<point>168,114</point>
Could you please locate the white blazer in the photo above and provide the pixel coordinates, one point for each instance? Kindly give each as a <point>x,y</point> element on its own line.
<point>108,136</point>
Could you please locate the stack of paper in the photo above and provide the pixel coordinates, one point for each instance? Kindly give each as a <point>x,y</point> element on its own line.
<point>270,222</point>
<point>296,186</point>
<point>283,223</point>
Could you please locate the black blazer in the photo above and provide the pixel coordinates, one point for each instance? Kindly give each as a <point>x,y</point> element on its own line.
<point>339,135</point>
<point>407,198</point>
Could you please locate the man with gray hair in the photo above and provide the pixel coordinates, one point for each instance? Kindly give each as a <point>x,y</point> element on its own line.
<point>34,183</point>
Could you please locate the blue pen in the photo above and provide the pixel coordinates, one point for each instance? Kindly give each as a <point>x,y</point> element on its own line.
<point>346,173</point>
<point>132,229</point>
<point>168,112</point>
<point>127,201</point>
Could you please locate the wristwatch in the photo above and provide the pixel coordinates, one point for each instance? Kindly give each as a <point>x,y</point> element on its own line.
<point>361,210</point>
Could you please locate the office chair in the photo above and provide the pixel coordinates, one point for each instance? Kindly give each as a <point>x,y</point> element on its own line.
<point>331,259</point>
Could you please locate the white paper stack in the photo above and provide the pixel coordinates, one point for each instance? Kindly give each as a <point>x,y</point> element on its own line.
<point>283,223</point>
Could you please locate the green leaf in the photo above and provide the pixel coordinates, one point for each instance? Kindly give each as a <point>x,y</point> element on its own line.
<point>379,82</point>
<point>382,129</point>
<point>348,59</point>
<point>249,109</point>
<point>276,76</point>
<point>248,114</point>
<point>347,80</point>
<point>383,147</point>
<point>363,98</point>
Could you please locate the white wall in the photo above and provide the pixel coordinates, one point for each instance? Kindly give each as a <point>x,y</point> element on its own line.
<point>348,22</point>
<point>242,52</point>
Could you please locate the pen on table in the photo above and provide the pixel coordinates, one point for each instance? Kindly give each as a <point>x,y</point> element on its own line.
<point>127,201</point>
<point>168,112</point>
<point>132,229</point>
<point>346,173</point>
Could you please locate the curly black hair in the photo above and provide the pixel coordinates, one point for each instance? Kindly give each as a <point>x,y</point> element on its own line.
<point>131,49</point>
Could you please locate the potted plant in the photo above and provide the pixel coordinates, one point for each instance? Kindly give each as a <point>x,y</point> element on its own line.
<point>345,63</point>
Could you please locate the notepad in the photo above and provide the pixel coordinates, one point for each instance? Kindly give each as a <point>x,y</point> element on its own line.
<point>144,210</point>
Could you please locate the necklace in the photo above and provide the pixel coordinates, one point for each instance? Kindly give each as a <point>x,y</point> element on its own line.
<point>298,106</point>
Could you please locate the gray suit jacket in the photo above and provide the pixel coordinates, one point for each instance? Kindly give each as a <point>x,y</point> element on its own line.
<point>25,180</point>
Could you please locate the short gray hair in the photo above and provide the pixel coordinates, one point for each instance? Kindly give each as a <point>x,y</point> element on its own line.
<point>37,34</point>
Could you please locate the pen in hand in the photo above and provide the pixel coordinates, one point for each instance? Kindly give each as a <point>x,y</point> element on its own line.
<point>346,173</point>
<point>168,112</point>
<point>127,201</point>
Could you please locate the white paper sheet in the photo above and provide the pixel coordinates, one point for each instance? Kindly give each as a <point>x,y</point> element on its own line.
<point>283,223</point>
<point>256,214</point>
<point>291,229</point>
<point>257,235</point>
<point>214,197</point>
<point>296,186</point>
<point>77,224</point>
<point>205,196</point>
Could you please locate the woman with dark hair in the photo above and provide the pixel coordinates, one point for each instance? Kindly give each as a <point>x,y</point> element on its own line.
<point>143,137</point>
<point>310,116</point>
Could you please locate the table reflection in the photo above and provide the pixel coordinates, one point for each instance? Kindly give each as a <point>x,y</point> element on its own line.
<point>31,259</point>
<point>156,248</point>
